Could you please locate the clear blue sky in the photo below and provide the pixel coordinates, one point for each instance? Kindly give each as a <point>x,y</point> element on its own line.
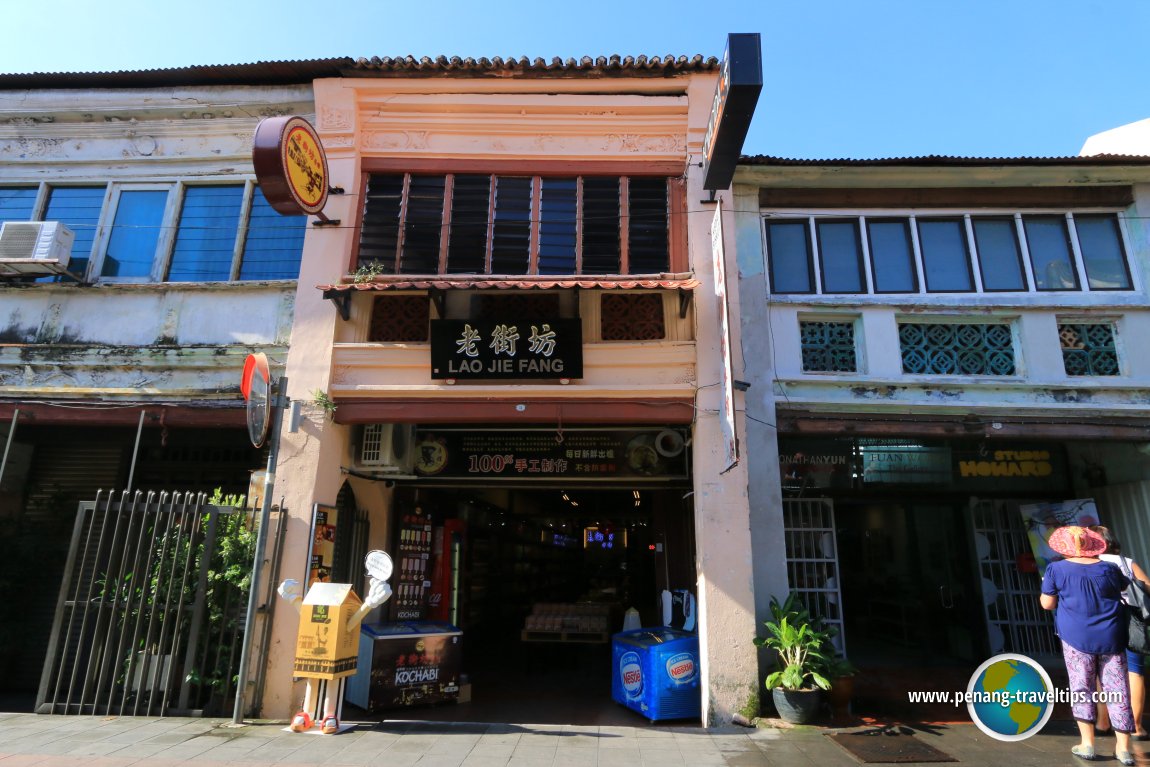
<point>842,78</point>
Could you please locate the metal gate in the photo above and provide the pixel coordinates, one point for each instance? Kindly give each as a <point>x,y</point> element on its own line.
<point>150,617</point>
<point>1015,622</point>
<point>813,560</point>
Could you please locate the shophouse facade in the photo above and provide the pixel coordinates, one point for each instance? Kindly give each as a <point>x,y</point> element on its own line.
<point>933,345</point>
<point>124,369</point>
<point>514,331</point>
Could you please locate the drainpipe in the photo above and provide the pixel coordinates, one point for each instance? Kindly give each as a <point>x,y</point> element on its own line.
<point>136,450</point>
<point>8,444</point>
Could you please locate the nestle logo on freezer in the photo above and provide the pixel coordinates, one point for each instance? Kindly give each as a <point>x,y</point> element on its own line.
<point>681,667</point>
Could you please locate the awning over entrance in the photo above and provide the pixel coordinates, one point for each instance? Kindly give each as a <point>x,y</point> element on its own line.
<point>989,426</point>
<point>515,411</point>
<point>682,281</point>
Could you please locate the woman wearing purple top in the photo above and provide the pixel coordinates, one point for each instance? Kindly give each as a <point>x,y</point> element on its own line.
<point>1086,594</point>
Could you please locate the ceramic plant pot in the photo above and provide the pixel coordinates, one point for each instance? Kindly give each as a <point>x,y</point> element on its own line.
<point>796,706</point>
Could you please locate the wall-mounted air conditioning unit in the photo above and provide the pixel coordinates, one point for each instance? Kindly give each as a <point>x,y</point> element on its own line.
<point>35,247</point>
<point>387,447</point>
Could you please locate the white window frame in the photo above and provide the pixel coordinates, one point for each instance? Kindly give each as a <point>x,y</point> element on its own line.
<point>913,216</point>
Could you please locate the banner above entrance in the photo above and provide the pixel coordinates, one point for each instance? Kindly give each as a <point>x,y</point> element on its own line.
<point>638,455</point>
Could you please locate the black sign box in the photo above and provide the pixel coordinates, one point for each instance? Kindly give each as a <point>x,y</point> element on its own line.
<point>506,349</point>
<point>740,81</point>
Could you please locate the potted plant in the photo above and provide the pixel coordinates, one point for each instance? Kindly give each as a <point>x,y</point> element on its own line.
<point>799,640</point>
<point>841,673</point>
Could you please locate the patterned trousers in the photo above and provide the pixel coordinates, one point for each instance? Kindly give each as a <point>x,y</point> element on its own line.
<point>1085,671</point>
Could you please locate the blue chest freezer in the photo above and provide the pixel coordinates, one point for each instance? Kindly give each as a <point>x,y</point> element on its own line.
<point>655,671</point>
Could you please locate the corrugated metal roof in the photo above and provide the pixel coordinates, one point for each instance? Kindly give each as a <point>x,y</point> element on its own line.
<point>473,282</point>
<point>304,71</point>
<point>258,73</point>
<point>937,160</point>
<point>586,65</point>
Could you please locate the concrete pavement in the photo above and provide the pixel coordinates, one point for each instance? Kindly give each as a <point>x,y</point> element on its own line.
<point>74,741</point>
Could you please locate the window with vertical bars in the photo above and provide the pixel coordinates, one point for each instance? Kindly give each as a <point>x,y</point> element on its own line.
<point>1088,349</point>
<point>506,224</point>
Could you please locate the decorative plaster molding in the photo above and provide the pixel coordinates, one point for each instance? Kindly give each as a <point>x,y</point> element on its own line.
<point>396,140</point>
<point>334,119</point>
<point>634,142</point>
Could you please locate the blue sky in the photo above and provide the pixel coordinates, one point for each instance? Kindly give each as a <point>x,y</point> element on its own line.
<point>842,78</point>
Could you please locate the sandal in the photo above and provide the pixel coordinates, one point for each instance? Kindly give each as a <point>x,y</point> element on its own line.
<point>1085,752</point>
<point>1125,757</point>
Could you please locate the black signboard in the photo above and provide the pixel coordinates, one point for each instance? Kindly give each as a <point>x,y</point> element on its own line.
<point>740,81</point>
<point>652,454</point>
<point>506,349</point>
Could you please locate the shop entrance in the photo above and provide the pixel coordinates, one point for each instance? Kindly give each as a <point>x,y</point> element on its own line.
<point>538,580</point>
<point>912,596</point>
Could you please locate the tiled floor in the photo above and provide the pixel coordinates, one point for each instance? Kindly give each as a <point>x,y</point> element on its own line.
<point>56,741</point>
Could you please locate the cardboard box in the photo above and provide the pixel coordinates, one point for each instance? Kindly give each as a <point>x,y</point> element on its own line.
<point>325,648</point>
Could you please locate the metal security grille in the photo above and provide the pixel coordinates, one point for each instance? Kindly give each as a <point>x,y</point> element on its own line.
<point>1014,620</point>
<point>813,561</point>
<point>1088,350</point>
<point>828,347</point>
<point>150,617</point>
<point>956,349</point>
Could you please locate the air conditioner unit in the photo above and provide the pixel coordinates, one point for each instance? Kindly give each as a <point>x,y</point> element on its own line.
<point>387,447</point>
<point>45,241</point>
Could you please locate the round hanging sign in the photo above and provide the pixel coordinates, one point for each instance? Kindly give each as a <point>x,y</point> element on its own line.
<point>256,387</point>
<point>290,165</point>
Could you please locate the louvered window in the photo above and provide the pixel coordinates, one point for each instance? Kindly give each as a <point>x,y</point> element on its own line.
<point>493,224</point>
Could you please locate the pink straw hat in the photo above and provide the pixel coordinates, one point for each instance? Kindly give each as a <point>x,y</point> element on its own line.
<point>1075,541</point>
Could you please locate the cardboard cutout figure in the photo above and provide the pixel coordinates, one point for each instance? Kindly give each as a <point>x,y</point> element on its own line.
<point>327,647</point>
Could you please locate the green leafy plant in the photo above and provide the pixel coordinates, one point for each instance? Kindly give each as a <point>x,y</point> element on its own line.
<point>800,641</point>
<point>368,272</point>
<point>324,402</point>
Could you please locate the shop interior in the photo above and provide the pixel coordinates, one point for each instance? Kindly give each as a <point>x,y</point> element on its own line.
<point>538,580</point>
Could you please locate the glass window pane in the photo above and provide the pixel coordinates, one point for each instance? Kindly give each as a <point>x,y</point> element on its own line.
<point>511,240</point>
<point>16,203</point>
<point>647,250</point>
<point>274,243</point>
<point>1102,253</point>
<point>78,208</point>
<point>557,216</point>
<point>840,251</point>
<point>1049,244</point>
<point>945,263</point>
<point>999,256</point>
<point>135,233</point>
<point>206,237</point>
<point>423,225</point>
<point>892,258</point>
<point>789,250</point>
<point>467,243</point>
<point>601,247</point>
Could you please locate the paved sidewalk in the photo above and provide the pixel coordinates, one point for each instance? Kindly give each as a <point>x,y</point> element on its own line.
<point>70,741</point>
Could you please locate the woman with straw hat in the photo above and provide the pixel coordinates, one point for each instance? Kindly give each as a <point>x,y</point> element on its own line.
<point>1086,594</point>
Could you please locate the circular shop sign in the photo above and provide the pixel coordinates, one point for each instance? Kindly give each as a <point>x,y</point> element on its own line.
<point>290,165</point>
